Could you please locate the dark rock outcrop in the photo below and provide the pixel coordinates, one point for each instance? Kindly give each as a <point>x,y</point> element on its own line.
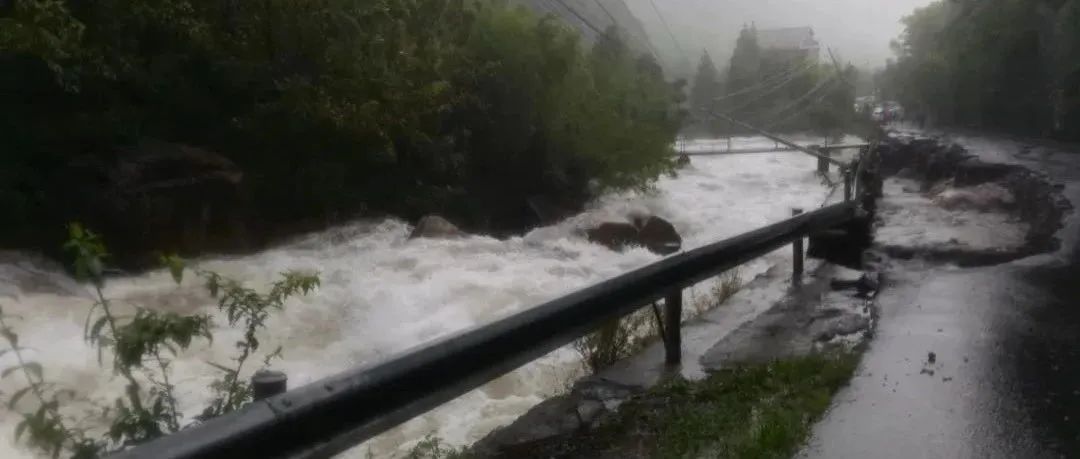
<point>591,402</point>
<point>156,197</point>
<point>434,227</point>
<point>615,236</point>
<point>659,236</point>
<point>654,233</point>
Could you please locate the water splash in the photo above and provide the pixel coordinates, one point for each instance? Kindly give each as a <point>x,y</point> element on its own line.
<point>382,294</point>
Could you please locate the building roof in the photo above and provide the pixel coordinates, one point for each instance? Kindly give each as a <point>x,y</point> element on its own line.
<point>787,38</point>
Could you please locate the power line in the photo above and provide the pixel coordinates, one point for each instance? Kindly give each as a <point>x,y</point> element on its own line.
<point>648,43</point>
<point>787,76</point>
<point>581,18</point>
<point>803,98</point>
<point>669,32</point>
<point>764,94</point>
<point>801,111</point>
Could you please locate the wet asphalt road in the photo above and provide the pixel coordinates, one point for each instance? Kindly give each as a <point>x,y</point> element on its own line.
<point>1004,377</point>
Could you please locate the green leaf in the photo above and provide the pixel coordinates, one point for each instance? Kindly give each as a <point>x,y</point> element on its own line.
<point>34,368</point>
<point>9,370</point>
<point>21,427</point>
<point>10,336</point>
<point>95,330</point>
<point>175,265</point>
<point>89,315</point>
<point>14,400</point>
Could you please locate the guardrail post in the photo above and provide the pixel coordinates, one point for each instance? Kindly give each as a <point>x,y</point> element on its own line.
<point>267,383</point>
<point>673,327</point>
<point>798,254</point>
<point>847,184</point>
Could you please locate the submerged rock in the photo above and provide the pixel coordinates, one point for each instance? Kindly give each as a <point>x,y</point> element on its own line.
<point>652,232</point>
<point>660,236</point>
<point>435,227</point>
<point>615,236</point>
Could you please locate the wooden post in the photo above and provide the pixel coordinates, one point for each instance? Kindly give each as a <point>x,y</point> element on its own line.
<point>798,253</point>
<point>673,328</point>
<point>267,383</point>
<point>822,163</point>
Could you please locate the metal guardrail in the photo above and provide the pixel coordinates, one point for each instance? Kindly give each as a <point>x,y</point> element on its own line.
<point>741,151</point>
<point>334,414</point>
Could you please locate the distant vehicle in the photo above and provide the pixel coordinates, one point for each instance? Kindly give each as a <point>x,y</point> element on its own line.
<point>894,111</point>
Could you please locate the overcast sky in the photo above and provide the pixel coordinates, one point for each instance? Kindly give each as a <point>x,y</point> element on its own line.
<point>858,30</point>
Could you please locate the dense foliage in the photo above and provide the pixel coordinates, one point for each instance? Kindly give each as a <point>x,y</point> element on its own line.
<point>329,107</point>
<point>1011,65</point>
<point>707,86</point>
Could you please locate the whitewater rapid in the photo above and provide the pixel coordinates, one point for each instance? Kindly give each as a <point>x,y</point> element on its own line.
<point>382,294</point>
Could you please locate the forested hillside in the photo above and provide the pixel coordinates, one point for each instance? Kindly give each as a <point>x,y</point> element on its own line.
<point>773,91</point>
<point>1011,65</point>
<point>593,17</point>
<point>195,124</point>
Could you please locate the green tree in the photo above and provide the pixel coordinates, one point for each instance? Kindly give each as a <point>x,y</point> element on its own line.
<point>996,64</point>
<point>330,108</point>
<point>707,86</point>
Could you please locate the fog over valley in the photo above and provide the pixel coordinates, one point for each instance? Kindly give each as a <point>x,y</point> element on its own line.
<point>859,31</point>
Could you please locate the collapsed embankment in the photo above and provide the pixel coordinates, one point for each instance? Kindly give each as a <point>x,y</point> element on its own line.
<point>959,184</point>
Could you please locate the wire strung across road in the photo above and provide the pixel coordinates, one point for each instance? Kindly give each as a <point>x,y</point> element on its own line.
<point>615,22</point>
<point>779,79</point>
<point>803,98</point>
<point>670,33</point>
<point>767,93</point>
<point>581,18</point>
<point>796,113</point>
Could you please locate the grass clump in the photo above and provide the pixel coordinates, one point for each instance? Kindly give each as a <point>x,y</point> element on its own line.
<point>750,411</point>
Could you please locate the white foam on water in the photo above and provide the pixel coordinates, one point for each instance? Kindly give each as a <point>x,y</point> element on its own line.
<point>382,294</point>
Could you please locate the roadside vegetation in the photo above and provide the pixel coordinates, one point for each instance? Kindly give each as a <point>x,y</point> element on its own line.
<point>749,411</point>
<point>629,335</point>
<point>136,346</point>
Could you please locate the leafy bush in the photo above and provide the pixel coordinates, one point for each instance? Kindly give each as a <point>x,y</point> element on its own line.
<point>331,107</point>
<point>140,347</point>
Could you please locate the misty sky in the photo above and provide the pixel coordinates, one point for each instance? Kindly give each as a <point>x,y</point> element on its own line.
<point>858,30</point>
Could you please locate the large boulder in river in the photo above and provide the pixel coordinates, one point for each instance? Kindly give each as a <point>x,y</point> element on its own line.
<point>654,233</point>
<point>659,236</point>
<point>615,236</point>
<point>434,226</point>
